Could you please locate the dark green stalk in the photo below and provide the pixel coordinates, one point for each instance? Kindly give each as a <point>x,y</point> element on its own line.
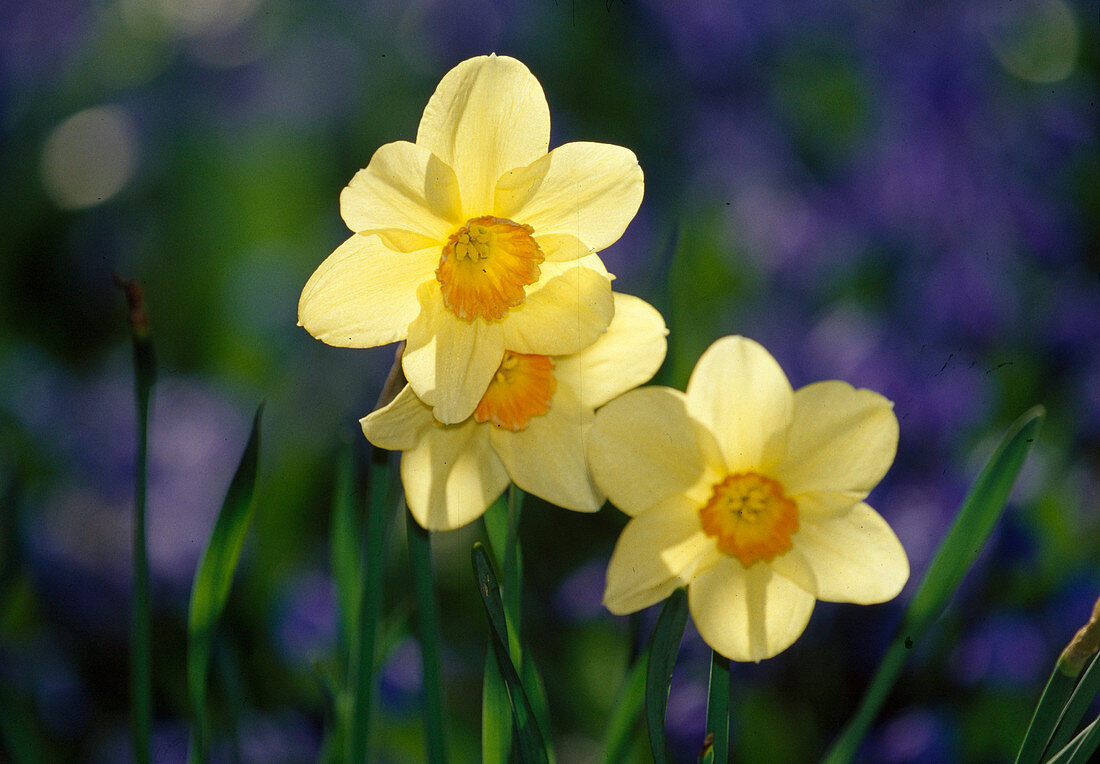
<point>141,689</point>
<point>370,606</point>
<point>420,558</point>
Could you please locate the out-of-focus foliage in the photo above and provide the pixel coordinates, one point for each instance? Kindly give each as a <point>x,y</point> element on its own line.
<point>902,195</point>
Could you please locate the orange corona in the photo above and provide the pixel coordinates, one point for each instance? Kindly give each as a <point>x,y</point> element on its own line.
<point>523,387</point>
<point>750,518</point>
<point>485,266</point>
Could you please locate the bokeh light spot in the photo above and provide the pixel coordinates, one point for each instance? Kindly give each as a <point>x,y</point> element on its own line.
<point>89,157</point>
<point>1036,40</point>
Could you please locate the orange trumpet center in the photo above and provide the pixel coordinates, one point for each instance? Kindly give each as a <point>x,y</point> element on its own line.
<point>522,388</point>
<point>750,518</point>
<point>485,266</point>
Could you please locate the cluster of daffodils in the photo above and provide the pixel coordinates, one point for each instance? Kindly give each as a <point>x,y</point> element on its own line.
<point>478,247</point>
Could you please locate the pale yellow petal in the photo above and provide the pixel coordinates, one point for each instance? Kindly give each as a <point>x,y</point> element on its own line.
<point>448,361</point>
<point>748,614</point>
<point>561,315</point>
<point>742,395</point>
<point>644,447</point>
<point>588,190</point>
<point>628,354</point>
<point>487,116</point>
<point>561,247</point>
<point>451,476</point>
<point>854,558</point>
<point>364,293</point>
<point>840,445</point>
<point>554,268</point>
<point>400,424</point>
<point>547,458</point>
<point>406,195</point>
<point>659,550</point>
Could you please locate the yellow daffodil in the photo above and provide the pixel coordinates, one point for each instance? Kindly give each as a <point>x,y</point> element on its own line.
<point>466,241</point>
<point>751,495</point>
<point>529,426</point>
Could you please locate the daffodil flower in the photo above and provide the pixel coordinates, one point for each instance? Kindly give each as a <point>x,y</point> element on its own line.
<point>529,427</point>
<point>466,241</point>
<point>751,495</point>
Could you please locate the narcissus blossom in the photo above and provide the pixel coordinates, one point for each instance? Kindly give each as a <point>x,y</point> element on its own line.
<point>466,242</point>
<point>751,495</point>
<point>529,427</point>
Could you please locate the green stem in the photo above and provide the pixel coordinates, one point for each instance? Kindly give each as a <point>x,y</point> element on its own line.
<point>420,558</point>
<point>141,693</point>
<point>370,608</point>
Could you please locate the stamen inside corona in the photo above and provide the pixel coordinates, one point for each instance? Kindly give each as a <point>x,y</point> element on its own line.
<point>522,388</point>
<point>485,266</point>
<point>750,518</point>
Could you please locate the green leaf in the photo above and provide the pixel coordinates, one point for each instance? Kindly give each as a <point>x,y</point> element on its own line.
<point>1074,712</point>
<point>664,645</point>
<point>1047,712</point>
<point>982,507</point>
<point>420,558</point>
<point>717,743</point>
<point>496,714</point>
<point>530,740</point>
<point>1081,748</point>
<point>213,578</point>
<point>624,720</point>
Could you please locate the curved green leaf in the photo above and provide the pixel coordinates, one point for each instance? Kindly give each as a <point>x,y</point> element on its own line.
<point>213,579</point>
<point>530,740</point>
<point>982,507</point>
<point>664,645</point>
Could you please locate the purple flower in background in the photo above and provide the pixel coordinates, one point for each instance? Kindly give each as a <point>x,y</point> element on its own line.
<point>917,736</point>
<point>579,597</point>
<point>305,625</point>
<point>1006,651</point>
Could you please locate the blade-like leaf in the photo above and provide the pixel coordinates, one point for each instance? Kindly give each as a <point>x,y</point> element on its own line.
<point>1055,695</point>
<point>624,719</point>
<point>982,507</point>
<point>496,714</point>
<point>1080,749</point>
<point>530,740</point>
<point>213,579</point>
<point>1074,712</point>
<point>716,746</point>
<point>664,645</point>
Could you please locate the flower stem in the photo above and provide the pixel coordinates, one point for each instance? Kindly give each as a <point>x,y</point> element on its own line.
<point>362,642</point>
<point>141,692</point>
<point>420,558</point>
